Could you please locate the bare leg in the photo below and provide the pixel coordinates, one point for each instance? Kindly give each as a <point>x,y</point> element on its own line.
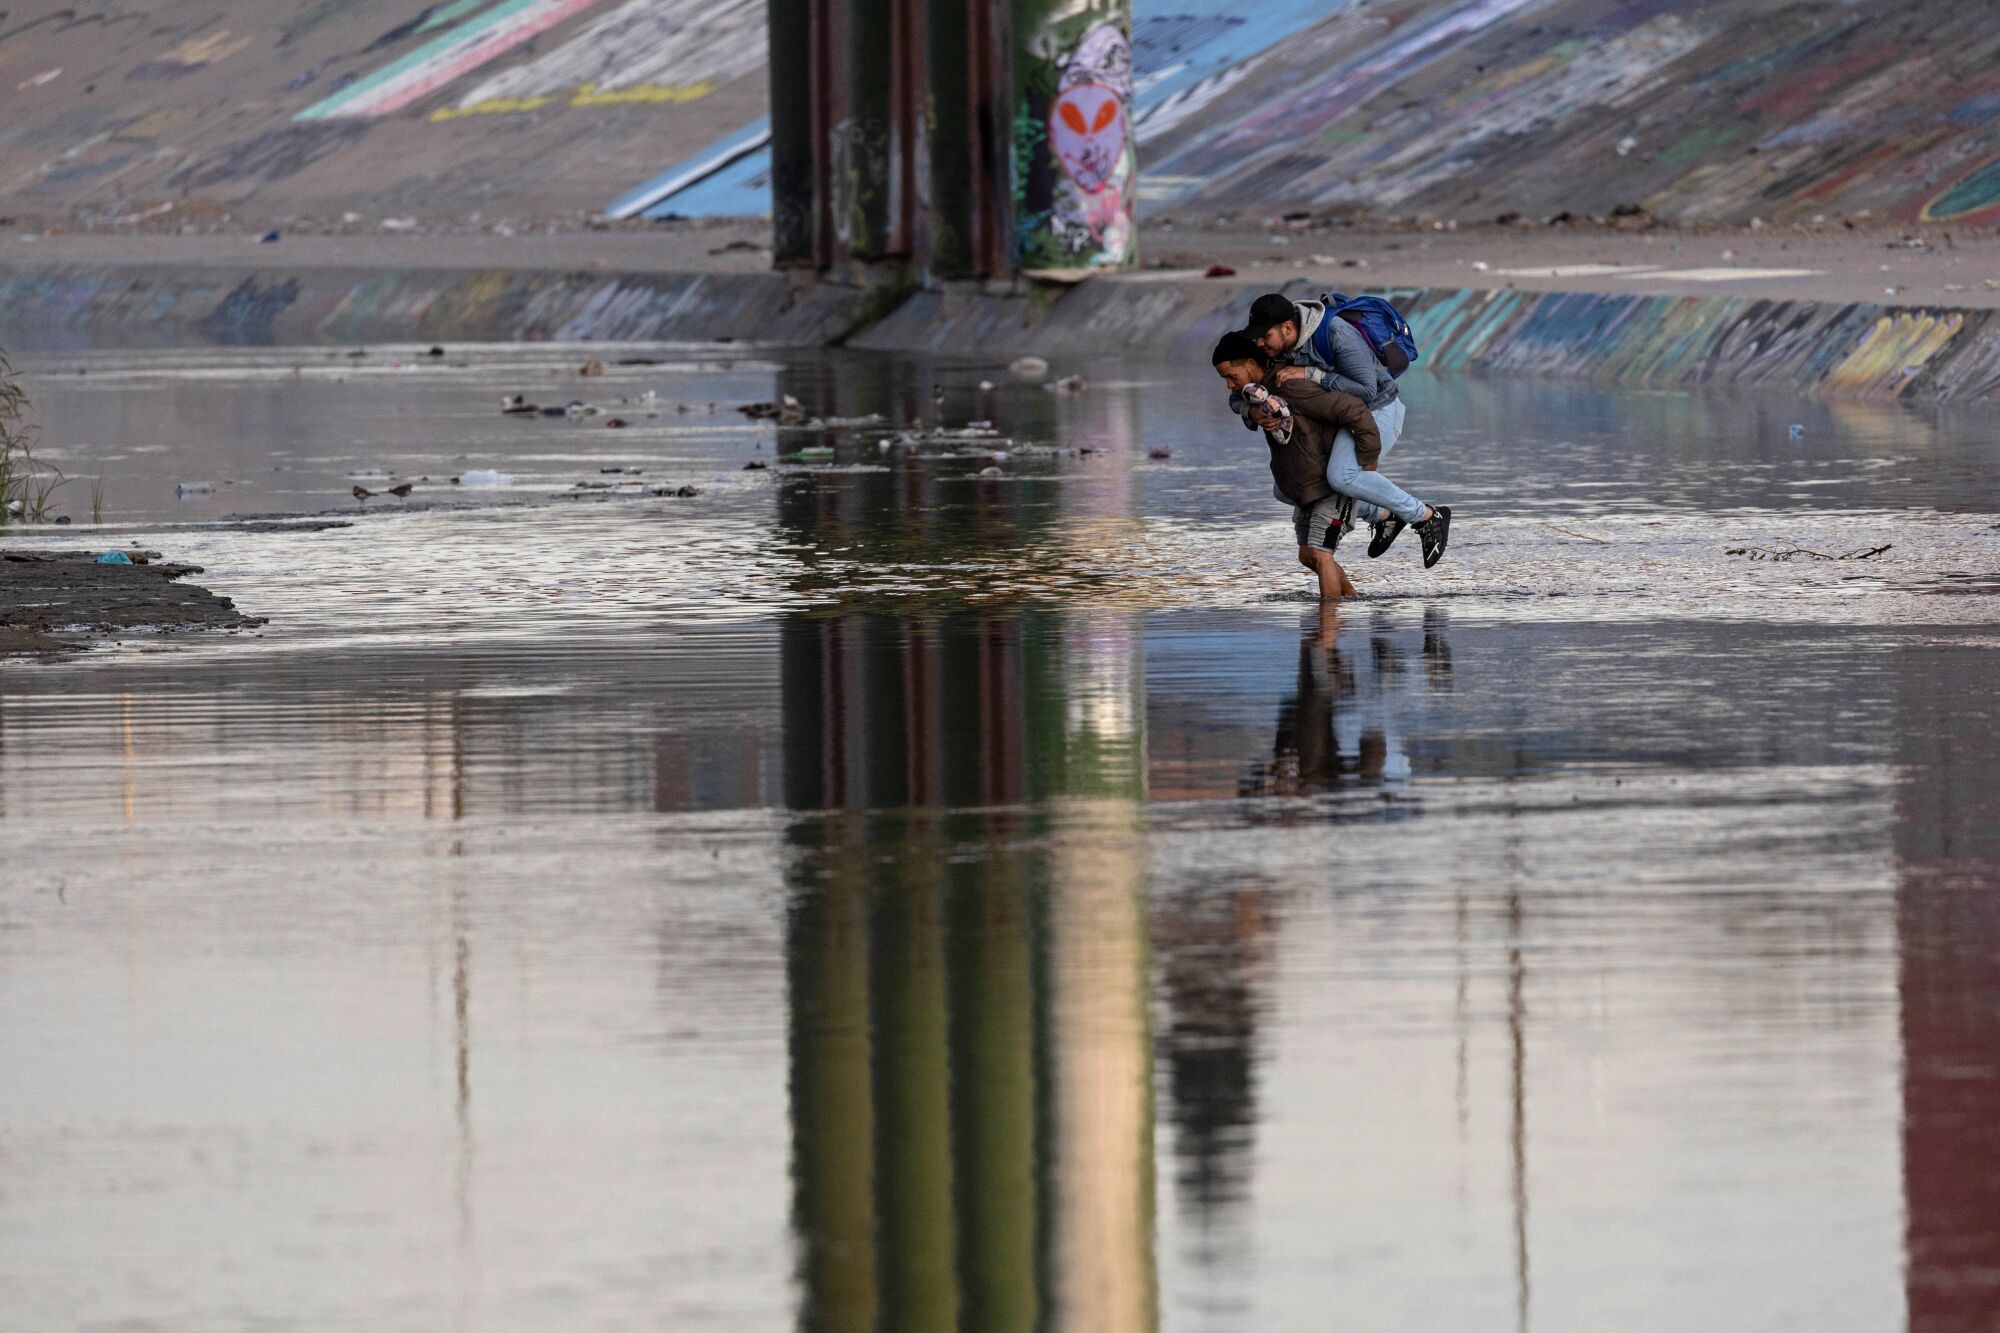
<point>1333,580</point>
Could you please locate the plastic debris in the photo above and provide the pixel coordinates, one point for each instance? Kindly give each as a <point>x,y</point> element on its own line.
<point>269,238</point>
<point>1796,431</point>
<point>515,405</point>
<point>814,453</point>
<point>188,490</point>
<point>1068,384</point>
<point>1219,271</point>
<point>1029,367</point>
<point>114,558</point>
<point>483,476</point>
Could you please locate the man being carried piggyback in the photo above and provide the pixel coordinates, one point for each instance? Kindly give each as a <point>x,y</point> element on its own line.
<point>1311,431</point>
<point>1303,343</point>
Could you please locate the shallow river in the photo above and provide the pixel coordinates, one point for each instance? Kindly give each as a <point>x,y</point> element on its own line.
<point>967,883</point>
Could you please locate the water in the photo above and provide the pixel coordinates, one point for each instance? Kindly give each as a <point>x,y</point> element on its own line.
<point>874,894</point>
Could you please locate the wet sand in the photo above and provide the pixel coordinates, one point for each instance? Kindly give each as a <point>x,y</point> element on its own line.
<point>56,600</point>
<point>967,883</point>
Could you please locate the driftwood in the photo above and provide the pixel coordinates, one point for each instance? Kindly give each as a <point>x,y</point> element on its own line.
<point>1795,552</point>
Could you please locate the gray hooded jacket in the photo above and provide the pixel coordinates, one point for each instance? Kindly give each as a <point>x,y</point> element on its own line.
<point>1354,370</point>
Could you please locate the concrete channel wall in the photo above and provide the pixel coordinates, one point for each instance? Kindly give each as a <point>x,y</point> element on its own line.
<point>1831,348</point>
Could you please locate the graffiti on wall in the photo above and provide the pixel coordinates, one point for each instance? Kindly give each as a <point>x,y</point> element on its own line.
<point>468,47</point>
<point>644,51</point>
<point>1075,168</point>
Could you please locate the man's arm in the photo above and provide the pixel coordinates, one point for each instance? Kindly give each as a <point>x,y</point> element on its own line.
<point>1343,411</point>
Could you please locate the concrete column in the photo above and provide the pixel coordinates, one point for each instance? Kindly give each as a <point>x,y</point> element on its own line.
<point>1075,176</point>
<point>792,211</point>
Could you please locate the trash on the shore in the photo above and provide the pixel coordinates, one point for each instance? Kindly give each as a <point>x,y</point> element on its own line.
<point>399,224</point>
<point>786,411</point>
<point>1159,451</point>
<point>986,386</point>
<point>1068,384</point>
<point>516,405</point>
<point>114,558</point>
<point>188,490</point>
<point>813,453</point>
<point>614,423</point>
<point>1795,552</point>
<point>991,472</point>
<point>754,466</point>
<point>1480,266</point>
<point>269,238</point>
<point>1029,367</point>
<point>1796,431</point>
<point>1219,271</point>
<point>620,470</point>
<point>483,476</point>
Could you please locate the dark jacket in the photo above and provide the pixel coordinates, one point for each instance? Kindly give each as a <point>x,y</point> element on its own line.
<point>1298,466</point>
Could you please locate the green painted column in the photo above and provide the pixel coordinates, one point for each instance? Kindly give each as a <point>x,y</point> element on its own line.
<point>1075,173</point>
<point>792,206</point>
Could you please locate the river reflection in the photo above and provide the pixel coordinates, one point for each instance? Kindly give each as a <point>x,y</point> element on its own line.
<point>894,950</point>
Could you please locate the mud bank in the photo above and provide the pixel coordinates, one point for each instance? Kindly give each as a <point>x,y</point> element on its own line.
<point>1639,339</point>
<point>51,601</point>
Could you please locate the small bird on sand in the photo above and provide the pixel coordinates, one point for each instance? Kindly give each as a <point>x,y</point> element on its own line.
<point>401,490</point>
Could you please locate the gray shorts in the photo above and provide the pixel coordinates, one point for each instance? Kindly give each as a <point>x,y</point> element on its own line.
<point>1321,523</point>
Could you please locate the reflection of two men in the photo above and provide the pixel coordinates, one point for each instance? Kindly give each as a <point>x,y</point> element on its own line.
<point>1350,719</point>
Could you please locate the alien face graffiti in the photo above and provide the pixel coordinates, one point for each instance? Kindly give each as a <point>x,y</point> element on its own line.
<point>1087,133</point>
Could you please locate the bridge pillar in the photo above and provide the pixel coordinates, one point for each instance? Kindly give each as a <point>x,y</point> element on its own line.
<point>952,139</point>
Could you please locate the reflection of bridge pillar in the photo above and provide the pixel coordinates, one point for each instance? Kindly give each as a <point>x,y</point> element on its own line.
<point>832,1108</point>
<point>971,1064</point>
<point>1099,1060</point>
<point>913,1089</point>
<point>1948,937</point>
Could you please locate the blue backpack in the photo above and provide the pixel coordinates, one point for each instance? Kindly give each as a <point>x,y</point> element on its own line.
<point>1381,324</point>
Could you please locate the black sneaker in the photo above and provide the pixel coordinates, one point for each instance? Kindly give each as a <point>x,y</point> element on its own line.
<point>1434,530</point>
<point>1386,533</point>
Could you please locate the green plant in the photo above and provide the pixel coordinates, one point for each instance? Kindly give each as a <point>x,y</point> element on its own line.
<point>27,483</point>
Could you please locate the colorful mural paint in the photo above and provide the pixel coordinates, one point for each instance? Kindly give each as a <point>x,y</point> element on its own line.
<point>642,44</point>
<point>1075,170</point>
<point>1823,348</point>
<point>428,69</point>
<point>1701,111</point>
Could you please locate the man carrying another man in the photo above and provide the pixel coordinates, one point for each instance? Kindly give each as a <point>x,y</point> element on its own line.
<point>1330,411</point>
